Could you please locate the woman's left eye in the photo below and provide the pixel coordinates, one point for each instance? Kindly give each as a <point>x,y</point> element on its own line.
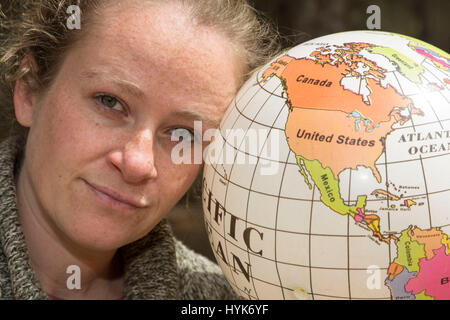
<point>110,102</point>
<point>185,135</point>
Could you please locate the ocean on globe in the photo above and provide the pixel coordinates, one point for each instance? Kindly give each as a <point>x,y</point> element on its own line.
<point>329,177</point>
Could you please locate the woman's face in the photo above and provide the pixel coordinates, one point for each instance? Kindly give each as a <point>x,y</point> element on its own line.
<point>98,165</point>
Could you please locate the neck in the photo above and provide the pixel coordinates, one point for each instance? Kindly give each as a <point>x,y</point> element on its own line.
<point>64,269</point>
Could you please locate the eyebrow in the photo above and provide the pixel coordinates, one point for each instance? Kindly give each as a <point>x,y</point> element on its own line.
<point>135,90</point>
<point>200,116</point>
<point>126,85</point>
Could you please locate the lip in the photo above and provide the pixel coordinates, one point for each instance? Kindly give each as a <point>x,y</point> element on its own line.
<point>114,198</point>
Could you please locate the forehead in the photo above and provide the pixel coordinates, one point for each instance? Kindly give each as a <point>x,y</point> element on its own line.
<point>162,43</point>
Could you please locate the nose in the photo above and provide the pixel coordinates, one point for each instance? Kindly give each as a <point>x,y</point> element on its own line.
<point>136,159</point>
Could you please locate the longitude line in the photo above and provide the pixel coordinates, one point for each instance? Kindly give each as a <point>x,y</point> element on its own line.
<point>251,182</point>
<point>434,111</point>
<point>299,199</point>
<point>276,225</point>
<point>388,206</point>
<point>426,191</point>
<point>249,191</point>
<point>399,85</point>
<point>310,238</point>
<point>435,76</point>
<point>445,98</point>
<point>226,190</point>
<point>348,236</point>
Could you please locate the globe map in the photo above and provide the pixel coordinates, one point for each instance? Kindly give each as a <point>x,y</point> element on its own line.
<point>346,192</point>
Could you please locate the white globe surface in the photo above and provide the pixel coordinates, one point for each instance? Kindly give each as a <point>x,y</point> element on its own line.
<point>330,178</point>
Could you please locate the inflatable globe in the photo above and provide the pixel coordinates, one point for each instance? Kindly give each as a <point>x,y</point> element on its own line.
<point>329,177</point>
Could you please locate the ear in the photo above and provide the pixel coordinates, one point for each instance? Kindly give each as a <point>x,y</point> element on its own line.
<point>25,96</point>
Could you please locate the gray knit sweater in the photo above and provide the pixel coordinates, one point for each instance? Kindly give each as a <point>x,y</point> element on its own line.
<point>156,267</point>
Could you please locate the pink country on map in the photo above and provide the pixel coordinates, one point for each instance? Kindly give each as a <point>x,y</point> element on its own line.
<point>360,216</point>
<point>433,276</point>
<point>433,56</point>
<point>439,57</point>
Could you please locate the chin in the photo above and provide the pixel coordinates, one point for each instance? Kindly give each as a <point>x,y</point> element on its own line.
<point>101,235</point>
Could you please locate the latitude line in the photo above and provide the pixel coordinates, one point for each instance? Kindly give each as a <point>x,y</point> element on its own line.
<point>313,234</point>
<point>428,80</point>
<point>437,69</point>
<point>307,200</point>
<point>251,122</point>
<point>258,80</point>
<point>331,296</point>
<point>257,92</point>
<point>298,233</point>
<point>402,91</point>
<point>317,234</point>
<point>245,93</point>
<point>246,105</point>
<point>331,110</point>
<point>292,163</point>
<point>308,265</point>
<point>264,125</point>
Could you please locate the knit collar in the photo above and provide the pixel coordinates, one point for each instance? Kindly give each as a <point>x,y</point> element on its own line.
<point>149,263</point>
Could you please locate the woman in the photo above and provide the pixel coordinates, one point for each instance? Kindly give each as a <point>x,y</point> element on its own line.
<point>86,195</point>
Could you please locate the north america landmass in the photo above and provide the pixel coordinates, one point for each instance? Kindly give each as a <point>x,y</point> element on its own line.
<point>332,127</point>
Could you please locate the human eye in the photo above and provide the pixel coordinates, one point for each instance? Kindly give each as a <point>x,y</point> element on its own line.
<point>184,134</point>
<point>110,102</point>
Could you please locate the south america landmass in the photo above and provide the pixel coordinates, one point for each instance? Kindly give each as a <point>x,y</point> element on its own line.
<point>421,269</point>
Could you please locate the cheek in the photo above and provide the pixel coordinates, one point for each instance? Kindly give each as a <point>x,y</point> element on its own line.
<point>176,179</point>
<point>67,132</point>
<point>60,145</point>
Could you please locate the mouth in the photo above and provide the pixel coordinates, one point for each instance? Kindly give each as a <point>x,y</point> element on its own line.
<point>113,198</point>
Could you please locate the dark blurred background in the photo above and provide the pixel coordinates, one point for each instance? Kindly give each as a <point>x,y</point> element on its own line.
<point>301,20</point>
